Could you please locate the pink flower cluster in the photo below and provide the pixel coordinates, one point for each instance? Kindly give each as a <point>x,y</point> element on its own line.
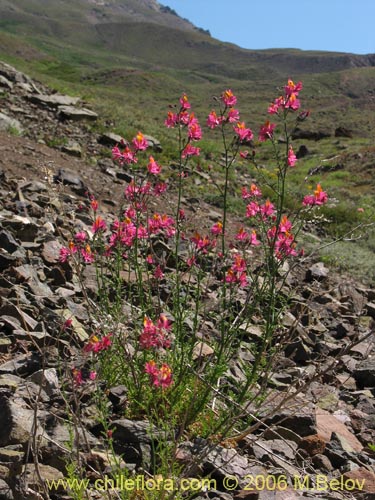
<point>237,272</point>
<point>79,378</point>
<point>318,198</point>
<point>155,336</point>
<point>160,377</point>
<point>79,247</point>
<point>230,115</point>
<point>288,101</point>
<point>282,239</point>
<point>185,119</point>
<point>97,345</point>
<point>202,244</point>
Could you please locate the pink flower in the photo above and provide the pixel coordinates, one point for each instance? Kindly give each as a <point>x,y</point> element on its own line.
<point>99,225</point>
<point>245,134</point>
<point>266,131</point>
<point>160,377</point>
<point>126,156</point>
<point>158,273</point>
<point>153,167</point>
<point>213,120</point>
<point>155,336</point>
<point>171,120</point>
<point>195,132</point>
<point>285,245</point>
<point>318,198</point>
<point>239,264</point>
<point>94,204</point>
<point>242,235</point>
<point>244,154</point>
<point>217,228</point>
<point>95,345</point>
<point>65,253</point>
<point>292,158</point>
<point>67,324</point>
<point>254,191</point>
<point>80,237</point>
<point>252,209</point>
<point>184,101</point>
<point>87,254</point>
<point>293,102</point>
<point>160,188</point>
<point>92,375</point>
<point>285,225</point>
<point>201,244</point>
<point>190,150</point>
<point>233,115</point>
<point>274,107</point>
<point>139,142</point>
<point>228,98</point>
<point>292,88</point>
<point>190,261</point>
<point>267,209</point>
<point>253,238</point>
<point>77,376</point>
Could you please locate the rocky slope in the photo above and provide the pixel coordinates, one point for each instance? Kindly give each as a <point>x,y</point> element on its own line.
<point>324,430</point>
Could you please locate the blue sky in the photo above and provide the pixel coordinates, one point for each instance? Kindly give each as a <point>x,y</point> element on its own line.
<point>333,25</point>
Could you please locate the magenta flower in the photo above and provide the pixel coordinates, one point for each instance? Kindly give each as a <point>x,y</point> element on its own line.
<point>253,238</point>
<point>126,156</point>
<point>213,120</point>
<point>160,377</point>
<point>268,209</point>
<point>252,209</point>
<point>217,228</point>
<point>139,142</point>
<point>244,134</point>
<point>292,88</point>
<point>184,101</point>
<point>171,120</point>
<point>242,235</point>
<point>190,150</point>
<point>292,158</point>
<point>266,131</point>
<point>318,198</point>
<point>77,376</point>
<point>99,225</point>
<point>228,98</point>
<point>195,131</point>
<point>153,167</point>
<point>233,115</point>
<point>293,102</point>
<point>254,191</point>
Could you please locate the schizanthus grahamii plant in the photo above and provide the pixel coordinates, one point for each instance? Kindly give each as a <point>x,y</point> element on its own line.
<point>167,274</point>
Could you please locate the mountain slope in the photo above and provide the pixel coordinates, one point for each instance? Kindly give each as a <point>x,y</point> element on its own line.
<point>150,33</point>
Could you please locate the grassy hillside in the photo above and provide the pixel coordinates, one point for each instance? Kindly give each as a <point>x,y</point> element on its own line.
<point>131,70</point>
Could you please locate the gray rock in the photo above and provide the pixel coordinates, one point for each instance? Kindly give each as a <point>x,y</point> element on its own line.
<point>47,379</point>
<point>153,143</point>
<point>22,364</point>
<point>110,139</point>
<point>317,272</point>
<point>54,100</point>
<point>5,83</point>
<point>5,491</point>
<point>16,421</point>
<point>7,123</point>
<point>76,114</point>
<point>69,178</point>
<point>72,148</point>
